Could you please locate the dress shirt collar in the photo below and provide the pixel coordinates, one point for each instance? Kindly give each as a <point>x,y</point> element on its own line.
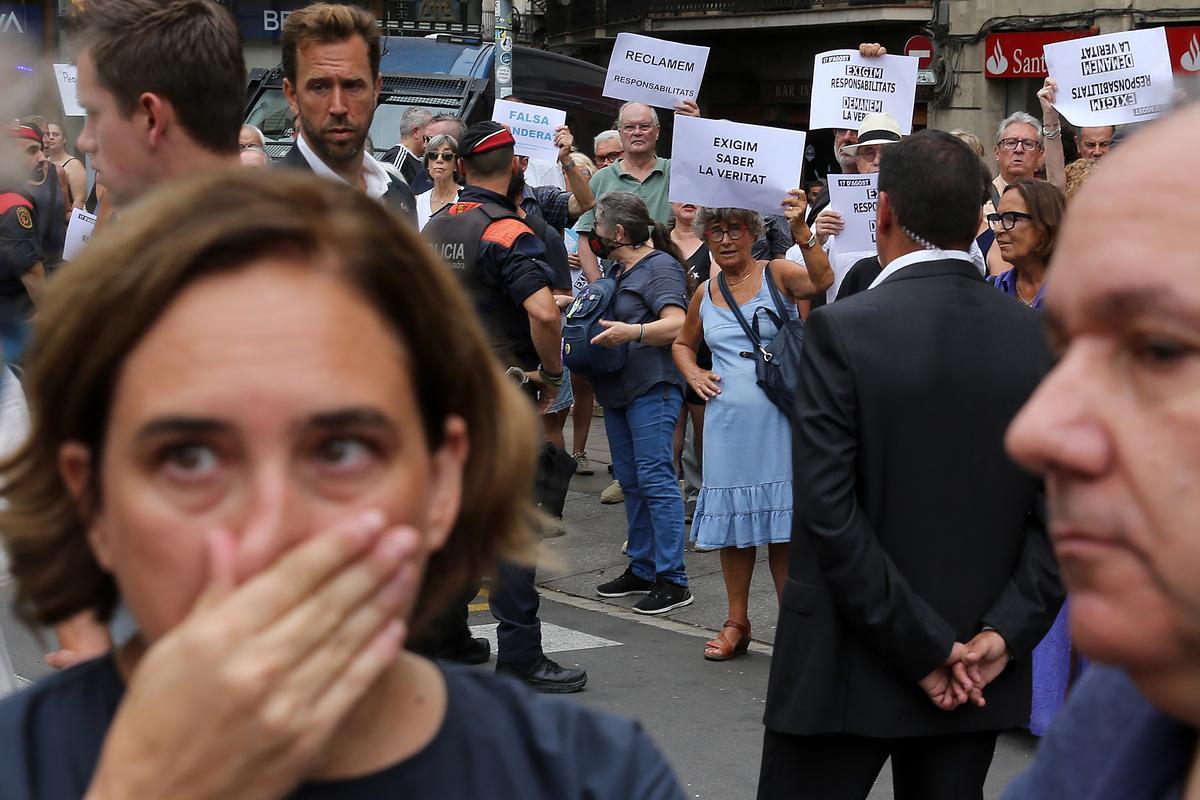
<point>375,177</point>
<point>919,257</point>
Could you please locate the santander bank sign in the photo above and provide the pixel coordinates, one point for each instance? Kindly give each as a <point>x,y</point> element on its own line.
<point>1020,55</point>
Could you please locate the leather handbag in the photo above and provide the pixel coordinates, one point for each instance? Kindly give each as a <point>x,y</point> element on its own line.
<point>777,364</point>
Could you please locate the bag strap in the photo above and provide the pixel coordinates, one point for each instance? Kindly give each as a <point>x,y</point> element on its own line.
<point>737,312</point>
<point>775,295</point>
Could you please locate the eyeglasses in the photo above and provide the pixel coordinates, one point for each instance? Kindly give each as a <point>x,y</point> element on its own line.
<point>442,156</point>
<point>610,158</point>
<point>257,147</point>
<point>1026,144</point>
<point>638,127</point>
<point>1008,220</point>
<point>1092,146</point>
<point>735,232</point>
<point>868,152</point>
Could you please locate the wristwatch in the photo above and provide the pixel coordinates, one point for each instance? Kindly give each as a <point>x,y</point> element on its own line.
<point>812,240</point>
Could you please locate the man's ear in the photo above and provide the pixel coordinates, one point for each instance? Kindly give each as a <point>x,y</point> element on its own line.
<point>77,471</point>
<point>885,215</point>
<point>289,94</point>
<point>159,115</point>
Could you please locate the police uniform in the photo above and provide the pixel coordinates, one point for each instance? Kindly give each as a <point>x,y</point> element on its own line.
<point>502,262</point>
<point>20,251</point>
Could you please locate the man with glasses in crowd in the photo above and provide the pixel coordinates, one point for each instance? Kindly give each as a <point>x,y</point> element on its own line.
<point>608,148</point>
<point>639,170</point>
<point>407,154</point>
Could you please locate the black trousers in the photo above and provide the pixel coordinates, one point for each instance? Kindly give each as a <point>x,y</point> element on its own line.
<point>838,767</point>
<point>514,603</point>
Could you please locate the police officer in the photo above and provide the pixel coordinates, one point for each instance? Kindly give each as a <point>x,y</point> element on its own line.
<point>22,274</point>
<point>502,263</point>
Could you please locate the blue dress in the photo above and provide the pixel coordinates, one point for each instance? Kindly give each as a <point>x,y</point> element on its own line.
<point>746,499</point>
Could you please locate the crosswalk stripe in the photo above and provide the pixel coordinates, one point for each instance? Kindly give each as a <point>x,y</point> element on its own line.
<point>555,638</point>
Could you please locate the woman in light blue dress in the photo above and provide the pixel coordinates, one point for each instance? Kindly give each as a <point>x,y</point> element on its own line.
<point>746,499</point>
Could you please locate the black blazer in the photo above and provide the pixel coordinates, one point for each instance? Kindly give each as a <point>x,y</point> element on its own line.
<point>399,196</point>
<point>912,527</point>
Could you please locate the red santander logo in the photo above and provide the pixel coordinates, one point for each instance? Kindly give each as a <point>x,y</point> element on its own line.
<point>1020,55</point>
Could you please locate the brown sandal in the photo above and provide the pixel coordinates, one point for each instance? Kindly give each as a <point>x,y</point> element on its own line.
<point>726,650</point>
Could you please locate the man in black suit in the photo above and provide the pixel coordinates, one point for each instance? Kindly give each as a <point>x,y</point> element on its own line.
<point>331,82</point>
<point>920,577</point>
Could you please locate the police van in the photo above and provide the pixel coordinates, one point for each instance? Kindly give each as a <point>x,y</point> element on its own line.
<point>448,74</point>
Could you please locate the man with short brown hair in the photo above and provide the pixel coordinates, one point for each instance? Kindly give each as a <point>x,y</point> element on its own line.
<point>162,84</point>
<point>331,81</point>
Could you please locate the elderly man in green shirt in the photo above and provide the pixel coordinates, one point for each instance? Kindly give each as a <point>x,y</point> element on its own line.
<point>641,171</point>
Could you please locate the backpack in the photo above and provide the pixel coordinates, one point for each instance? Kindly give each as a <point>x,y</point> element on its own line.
<point>592,304</point>
<point>776,365</point>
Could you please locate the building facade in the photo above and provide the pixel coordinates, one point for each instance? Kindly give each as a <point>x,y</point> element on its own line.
<point>989,53</point>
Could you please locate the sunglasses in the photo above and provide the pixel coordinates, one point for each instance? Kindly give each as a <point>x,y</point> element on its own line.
<point>442,156</point>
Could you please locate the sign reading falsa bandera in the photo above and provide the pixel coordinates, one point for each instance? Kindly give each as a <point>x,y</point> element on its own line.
<point>848,87</point>
<point>532,127</point>
<point>646,70</point>
<point>725,164</point>
<point>1113,79</point>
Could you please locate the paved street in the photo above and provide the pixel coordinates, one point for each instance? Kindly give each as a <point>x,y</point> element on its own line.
<point>705,716</point>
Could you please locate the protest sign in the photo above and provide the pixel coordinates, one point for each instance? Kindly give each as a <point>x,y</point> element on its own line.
<point>65,75</point>
<point>1112,79</point>
<point>79,232</point>
<point>847,87</point>
<point>655,72</point>
<point>532,126</point>
<point>724,164</point>
<point>856,198</point>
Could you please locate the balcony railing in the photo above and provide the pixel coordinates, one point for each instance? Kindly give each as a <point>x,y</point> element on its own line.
<point>589,15</point>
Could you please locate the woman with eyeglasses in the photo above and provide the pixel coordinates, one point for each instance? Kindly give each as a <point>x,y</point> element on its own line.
<point>1026,226</point>
<point>441,152</point>
<point>746,498</point>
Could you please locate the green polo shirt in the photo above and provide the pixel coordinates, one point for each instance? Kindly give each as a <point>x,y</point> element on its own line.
<point>653,190</point>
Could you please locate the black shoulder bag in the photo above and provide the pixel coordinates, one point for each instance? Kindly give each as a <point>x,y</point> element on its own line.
<point>776,365</point>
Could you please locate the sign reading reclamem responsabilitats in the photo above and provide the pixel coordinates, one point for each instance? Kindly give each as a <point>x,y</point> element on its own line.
<point>725,164</point>
<point>651,71</point>
<point>532,126</point>
<point>1112,79</point>
<point>847,87</point>
<point>856,198</point>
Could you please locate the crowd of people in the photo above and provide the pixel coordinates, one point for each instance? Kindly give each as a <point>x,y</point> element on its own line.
<point>253,481</point>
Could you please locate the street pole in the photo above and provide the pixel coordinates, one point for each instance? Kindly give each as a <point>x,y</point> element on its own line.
<point>504,48</point>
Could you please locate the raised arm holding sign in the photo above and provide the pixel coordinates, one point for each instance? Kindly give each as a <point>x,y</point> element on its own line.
<point>1113,79</point>
<point>847,86</point>
<point>655,72</point>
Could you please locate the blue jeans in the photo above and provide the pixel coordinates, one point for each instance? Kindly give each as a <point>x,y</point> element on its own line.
<point>639,437</point>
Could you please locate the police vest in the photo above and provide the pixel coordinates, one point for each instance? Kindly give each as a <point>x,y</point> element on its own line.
<point>456,233</point>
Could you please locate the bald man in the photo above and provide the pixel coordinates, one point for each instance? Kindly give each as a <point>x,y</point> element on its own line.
<point>1115,431</point>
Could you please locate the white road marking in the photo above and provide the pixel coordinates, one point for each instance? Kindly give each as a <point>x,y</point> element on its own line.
<point>555,638</point>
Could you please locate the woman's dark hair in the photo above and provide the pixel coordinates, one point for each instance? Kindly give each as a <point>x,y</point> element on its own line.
<point>1047,205</point>
<point>935,184</point>
<point>100,307</point>
<point>629,211</point>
